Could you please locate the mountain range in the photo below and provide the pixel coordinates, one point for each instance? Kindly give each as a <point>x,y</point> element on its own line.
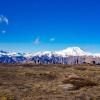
<point>70,55</point>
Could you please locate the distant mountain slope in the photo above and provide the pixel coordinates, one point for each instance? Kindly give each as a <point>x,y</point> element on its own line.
<point>71,55</point>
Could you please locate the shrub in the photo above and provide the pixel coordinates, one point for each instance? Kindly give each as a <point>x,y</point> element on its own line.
<point>80,68</point>
<point>79,82</point>
<point>48,76</point>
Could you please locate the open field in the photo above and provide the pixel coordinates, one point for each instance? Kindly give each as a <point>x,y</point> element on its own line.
<point>49,82</point>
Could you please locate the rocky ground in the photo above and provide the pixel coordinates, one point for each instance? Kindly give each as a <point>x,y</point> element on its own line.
<point>49,82</point>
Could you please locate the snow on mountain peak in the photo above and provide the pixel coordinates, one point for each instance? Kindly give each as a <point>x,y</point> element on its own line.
<point>61,56</point>
<point>73,51</point>
<point>70,51</point>
<point>10,54</point>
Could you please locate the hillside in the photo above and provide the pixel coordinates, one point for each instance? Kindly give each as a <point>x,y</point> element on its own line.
<point>49,82</point>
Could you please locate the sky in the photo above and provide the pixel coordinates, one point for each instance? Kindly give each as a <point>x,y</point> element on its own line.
<point>38,25</point>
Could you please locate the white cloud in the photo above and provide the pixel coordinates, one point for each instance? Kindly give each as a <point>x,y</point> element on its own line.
<point>3,31</point>
<point>52,39</point>
<point>4,19</point>
<point>37,41</point>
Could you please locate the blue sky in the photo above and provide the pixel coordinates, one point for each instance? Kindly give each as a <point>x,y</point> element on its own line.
<point>35,25</point>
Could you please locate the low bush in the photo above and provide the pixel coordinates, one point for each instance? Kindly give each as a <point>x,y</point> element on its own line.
<point>80,68</point>
<point>79,82</point>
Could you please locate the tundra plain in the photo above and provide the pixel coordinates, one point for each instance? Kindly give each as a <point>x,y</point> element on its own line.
<point>49,82</point>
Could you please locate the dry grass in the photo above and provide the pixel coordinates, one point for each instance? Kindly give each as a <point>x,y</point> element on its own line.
<point>80,68</point>
<point>79,82</point>
<point>43,82</point>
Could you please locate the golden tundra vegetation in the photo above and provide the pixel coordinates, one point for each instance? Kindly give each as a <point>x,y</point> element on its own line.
<point>49,82</point>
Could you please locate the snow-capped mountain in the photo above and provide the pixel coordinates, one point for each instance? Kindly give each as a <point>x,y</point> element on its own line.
<point>71,55</point>
<point>71,51</point>
<point>11,57</point>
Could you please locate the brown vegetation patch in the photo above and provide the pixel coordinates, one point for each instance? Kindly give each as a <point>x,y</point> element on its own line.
<point>46,76</point>
<point>81,68</point>
<point>79,82</point>
<point>44,82</point>
<point>27,65</point>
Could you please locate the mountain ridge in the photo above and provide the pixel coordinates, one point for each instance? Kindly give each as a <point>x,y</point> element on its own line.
<point>68,55</point>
